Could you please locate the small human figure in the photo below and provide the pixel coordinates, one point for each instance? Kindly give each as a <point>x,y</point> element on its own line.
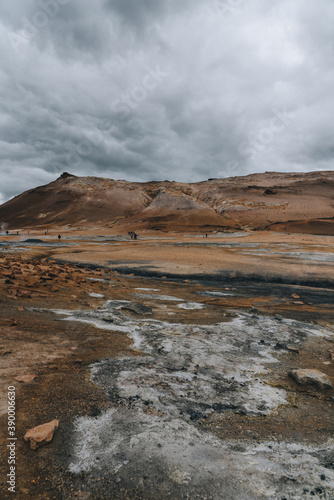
<point>17,232</point>
<point>7,232</point>
<point>59,236</point>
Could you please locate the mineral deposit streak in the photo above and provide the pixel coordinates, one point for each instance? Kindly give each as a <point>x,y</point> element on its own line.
<point>183,374</point>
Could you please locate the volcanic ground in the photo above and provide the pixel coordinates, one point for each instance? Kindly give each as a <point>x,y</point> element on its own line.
<point>167,361</point>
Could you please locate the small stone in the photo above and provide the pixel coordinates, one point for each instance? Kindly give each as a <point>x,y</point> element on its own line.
<point>9,322</point>
<point>286,347</point>
<point>20,308</point>
<point>311,377</point>
<point>25,378</point>
<point>108,319</point>
<point>279,317</point>
<point>281,345</point>
<point>292,348</point>
<point>295,296</point>
<point>230,314</point>
<point>42,434</point>
<point>4,352</point>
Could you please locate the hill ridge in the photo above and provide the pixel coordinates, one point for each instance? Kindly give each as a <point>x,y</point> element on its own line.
<point>251,202</point>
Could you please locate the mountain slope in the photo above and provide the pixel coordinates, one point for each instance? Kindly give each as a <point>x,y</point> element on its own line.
<point>302,202</point>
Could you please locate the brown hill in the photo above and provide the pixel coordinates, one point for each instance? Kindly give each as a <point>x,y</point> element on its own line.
<point>298,202</point>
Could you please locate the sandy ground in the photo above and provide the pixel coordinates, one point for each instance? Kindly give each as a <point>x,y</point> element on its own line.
<point>192,400</point>
<point>276,256</point>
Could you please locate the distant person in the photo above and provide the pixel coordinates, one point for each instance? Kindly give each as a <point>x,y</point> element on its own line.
<point>59,237</point>
<point>17,232</point>
<point>7,232</point>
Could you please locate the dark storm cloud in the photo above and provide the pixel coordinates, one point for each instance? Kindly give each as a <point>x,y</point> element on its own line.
<point>163,89</point>
<point>141,15</point>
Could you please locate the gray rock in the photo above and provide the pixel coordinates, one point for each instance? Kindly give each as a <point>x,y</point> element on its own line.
<point>311,377</point>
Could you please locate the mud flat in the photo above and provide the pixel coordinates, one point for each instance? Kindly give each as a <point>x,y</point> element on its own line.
<point>169,387</point>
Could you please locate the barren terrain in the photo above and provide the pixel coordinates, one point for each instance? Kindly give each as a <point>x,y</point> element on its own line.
<point>275,201</point>
<point>169,360</point>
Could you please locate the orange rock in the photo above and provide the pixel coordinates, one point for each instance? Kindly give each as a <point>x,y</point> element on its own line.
<point>9,322</point>
<point>25,378</point>
<point>42,434</point>
<point>4,352</point>
<point>24,293</point>
<point>295,296</point>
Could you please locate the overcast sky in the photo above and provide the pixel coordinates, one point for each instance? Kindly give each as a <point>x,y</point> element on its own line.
<point>164,89</point>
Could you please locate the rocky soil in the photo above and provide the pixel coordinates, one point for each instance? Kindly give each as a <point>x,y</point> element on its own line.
<point>178,387</point>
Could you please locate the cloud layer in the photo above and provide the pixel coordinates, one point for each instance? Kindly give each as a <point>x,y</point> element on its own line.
<point>163,89</point>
